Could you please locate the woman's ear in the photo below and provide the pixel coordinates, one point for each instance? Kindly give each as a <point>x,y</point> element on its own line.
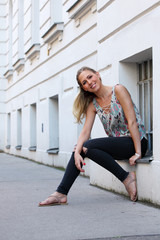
<point>97,73</point>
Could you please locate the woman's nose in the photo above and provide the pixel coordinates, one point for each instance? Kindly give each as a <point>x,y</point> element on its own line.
<point>89,81</point>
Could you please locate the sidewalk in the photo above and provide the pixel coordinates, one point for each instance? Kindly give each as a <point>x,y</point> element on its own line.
<point>92,213</point>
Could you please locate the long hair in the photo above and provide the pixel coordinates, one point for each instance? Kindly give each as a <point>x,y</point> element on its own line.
<point>83,98</point>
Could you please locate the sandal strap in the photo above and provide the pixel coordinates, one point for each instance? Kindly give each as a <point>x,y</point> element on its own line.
<point>58,199</point>
<point>132,180</point>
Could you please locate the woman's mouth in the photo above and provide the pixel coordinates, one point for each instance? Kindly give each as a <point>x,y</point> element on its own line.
<point>93,85</point>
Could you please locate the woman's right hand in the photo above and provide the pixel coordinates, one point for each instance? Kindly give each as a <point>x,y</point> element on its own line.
<point>79,161</point>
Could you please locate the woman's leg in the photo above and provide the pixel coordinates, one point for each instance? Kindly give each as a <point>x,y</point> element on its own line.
<point>99,156</point>
<point>103,151</point>
<point>118,147</point>
<point>70,175</point>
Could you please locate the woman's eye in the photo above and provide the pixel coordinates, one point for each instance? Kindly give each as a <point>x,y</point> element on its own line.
<point>84,82</point>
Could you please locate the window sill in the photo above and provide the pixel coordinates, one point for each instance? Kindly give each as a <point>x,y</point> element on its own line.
<point>32,148</point>
<point>80,8</point>
<point>18,147</point>
<point>19,65</point>
<point>55,32</point>
<point>33,52</point>
<point>145,159</point>
<point>72,4</point>
<point>53,150</point>
<point>9,74</point>
<point>8,146</point>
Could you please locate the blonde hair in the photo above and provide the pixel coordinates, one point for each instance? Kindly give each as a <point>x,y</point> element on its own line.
<point>83,98</point>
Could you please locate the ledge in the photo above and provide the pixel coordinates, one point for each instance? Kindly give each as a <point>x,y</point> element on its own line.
<point>8,146</point>
<point>33,52</point>
<point>18,147</point>
<point>54,32</point>
<point>53,150</point>
<point>80,8</point>
<point>72,4</point>
<point>32,148</point>
<point>145,159</point>
<point>19,65</point>
<point>8,74</point>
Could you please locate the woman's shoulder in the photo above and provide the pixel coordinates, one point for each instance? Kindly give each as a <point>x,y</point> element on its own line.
<point>120,90</point>
<point>119,87</point>
<point>91,106</point>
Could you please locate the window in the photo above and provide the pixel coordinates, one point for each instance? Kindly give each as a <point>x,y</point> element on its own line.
<point>20,30</point>
<point>35,22</point>
<point>146,99</point>
<point>19,129</point>
<point>34,51</point>
<point>56,25</point>
<point>8,130</point>
<point>139,67</point>
<point>53,125</point>
<point>33,127</point>
<point>18,45</point>
<point>10,34</point>
<point>56,11</point>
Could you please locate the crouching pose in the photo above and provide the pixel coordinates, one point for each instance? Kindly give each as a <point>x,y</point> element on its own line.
<point>122,123</point>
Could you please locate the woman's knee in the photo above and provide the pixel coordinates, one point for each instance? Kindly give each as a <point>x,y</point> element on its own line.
<point>86,144</point>
<point>85,150</point>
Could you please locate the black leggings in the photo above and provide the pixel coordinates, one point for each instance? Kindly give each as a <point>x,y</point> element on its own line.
<point>103,151</point>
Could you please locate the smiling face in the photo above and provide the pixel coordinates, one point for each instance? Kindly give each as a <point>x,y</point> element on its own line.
<point>89,81</point>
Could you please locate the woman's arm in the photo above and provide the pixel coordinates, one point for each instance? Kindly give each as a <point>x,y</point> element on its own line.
<point>125,100</point>
<point>84,136</point>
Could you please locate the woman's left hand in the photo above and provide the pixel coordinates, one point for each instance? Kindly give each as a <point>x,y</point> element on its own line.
<point>133,159</point>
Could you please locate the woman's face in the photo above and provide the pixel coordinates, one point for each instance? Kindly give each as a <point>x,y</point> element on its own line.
<point>89,81</point>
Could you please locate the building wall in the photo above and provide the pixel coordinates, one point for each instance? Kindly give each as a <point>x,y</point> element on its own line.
<point>3,49</point>
<point>38,83</point>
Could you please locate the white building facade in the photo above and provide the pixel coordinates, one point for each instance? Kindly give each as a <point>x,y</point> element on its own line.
<point>43,44</point>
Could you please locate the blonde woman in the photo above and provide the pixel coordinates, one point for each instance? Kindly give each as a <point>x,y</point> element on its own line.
<point>122,123</point>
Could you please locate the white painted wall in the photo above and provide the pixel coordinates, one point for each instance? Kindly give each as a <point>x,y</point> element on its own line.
<point>3,50</point>
<point>106,36</point>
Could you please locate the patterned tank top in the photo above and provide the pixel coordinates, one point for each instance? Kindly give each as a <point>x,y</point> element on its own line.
<point>115,123</point>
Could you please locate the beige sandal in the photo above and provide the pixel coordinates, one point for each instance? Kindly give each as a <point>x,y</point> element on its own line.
<point>129,186</point>
<point>58,201</point>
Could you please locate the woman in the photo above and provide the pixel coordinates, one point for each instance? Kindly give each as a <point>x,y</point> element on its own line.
<point>123,125</point>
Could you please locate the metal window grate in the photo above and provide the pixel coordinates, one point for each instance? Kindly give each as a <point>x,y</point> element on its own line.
<point>146,99</point>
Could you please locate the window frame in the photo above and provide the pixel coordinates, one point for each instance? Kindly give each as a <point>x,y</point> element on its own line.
<point>145,89</point>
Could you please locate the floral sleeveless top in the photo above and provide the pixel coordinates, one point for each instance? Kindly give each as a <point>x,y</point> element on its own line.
<point>115,123</point>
